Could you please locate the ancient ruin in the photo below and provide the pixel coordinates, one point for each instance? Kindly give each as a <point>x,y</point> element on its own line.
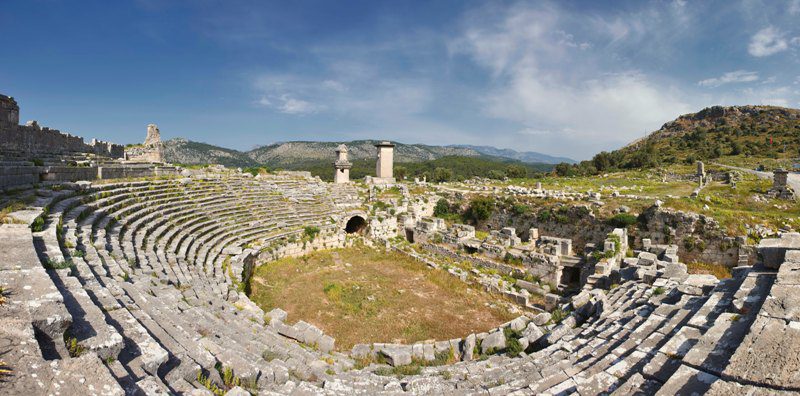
<point>121,275</point>
<point>151,151</point>
<point>780,186</point>
<point>341,166</point>
<point>384,173</point>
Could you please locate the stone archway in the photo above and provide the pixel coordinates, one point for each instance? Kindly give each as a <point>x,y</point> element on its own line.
<point>356,225</point>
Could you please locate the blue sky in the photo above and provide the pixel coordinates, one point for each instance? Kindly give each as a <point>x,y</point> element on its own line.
<point>563,78</point>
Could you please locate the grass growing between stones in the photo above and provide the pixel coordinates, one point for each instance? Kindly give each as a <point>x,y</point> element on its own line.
<point>363,295</point>
<point>718,270</point>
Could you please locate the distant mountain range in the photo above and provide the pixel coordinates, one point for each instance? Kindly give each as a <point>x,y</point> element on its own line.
<point>524,156</point>
<point>292,154</point>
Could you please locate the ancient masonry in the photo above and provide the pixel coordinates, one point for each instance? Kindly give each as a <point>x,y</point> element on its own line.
<point>151,151</point>
<point>780,187</point>
<point>341,166</point>
<point>138,286</point>
<point>384,173</point>
<point>31,154</point>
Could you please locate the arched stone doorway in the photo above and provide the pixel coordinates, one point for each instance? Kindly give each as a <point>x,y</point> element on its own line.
<point>356,225</point>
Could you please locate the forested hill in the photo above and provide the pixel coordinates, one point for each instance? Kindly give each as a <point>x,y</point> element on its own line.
<point>751,131</point>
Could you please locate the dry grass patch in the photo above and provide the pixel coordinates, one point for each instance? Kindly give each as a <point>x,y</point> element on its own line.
<point>718,270</point>
<point>361,295</point>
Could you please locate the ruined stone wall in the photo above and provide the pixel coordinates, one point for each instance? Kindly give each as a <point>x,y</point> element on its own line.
<point>383,226</point>
<point>35,140</point>
<point>575,223</point>
<point>327,239</point>
<point>699,238</point>
<point>9,111</point>
<point>132,171</point>
<point>546,272</point>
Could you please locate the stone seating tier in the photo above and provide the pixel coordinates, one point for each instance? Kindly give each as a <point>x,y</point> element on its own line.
<point>151,302</point>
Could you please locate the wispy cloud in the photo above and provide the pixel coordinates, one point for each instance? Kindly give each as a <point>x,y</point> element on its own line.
<point>767,41</point>
<point>524,48</point>
<point>738,76</point>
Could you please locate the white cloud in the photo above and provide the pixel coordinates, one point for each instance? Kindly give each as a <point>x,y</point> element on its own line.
<point>767,41</point>
<point>290,105</point>
<point>349,88</point>
<point>738,76</point>
<point>538,84</point>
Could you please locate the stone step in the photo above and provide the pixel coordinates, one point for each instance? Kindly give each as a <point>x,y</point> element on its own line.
<point>89,326</point>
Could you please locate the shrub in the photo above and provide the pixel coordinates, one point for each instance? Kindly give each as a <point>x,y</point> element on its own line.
<point>622,220</point>
<point>558,315</point>
<point>513,347</point>
<point>442,208</point>
<point>57,265</point>
<point>311,232</point>
<point>520,209</point>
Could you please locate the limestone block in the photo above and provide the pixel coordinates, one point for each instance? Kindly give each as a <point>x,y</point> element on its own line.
<point>518,323</point>
<point>541,319</point>
<point>495,341</point>
<point>532,333</point>
<point>647,259</point>
<point>469,347</point>
<point>397,355</point>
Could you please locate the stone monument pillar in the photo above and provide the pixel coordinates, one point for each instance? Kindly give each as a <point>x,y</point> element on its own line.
<point>701,169</point>
<point>781,176</point>
<point>384,171</point>
<point>341,166</point>
<point>780,187</point>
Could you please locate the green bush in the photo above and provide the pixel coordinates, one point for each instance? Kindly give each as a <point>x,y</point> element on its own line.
<point>311,232</point>
<point>442,208</point>
<point>480,208</point>
<point>622,220</point>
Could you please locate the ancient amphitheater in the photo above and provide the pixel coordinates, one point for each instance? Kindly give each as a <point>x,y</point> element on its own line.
<point>122,275</point>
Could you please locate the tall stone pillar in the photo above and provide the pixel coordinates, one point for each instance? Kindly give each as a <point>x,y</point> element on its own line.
<point>384,172</point>
<point>701,169</point>
<point>341,166</point>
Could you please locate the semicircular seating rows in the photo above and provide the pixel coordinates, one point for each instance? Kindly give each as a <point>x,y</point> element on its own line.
<point>139,286</point>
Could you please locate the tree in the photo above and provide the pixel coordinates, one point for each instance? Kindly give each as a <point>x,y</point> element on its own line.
<point>442,175</point>
<point>400,172</point>
<point>480,208</point>
<point>442,208</point>
<point>496,174</point>
<point>563,169</point>
<point>516,172</point>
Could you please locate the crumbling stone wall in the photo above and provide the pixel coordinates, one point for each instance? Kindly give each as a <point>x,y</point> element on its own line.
<point>576,223</point>
<point>546,271</point>
<point>33,139</point>
<point>699,238</point>
<point>9,110</point>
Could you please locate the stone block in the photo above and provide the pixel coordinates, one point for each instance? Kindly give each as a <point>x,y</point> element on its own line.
<point>495,341</point>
